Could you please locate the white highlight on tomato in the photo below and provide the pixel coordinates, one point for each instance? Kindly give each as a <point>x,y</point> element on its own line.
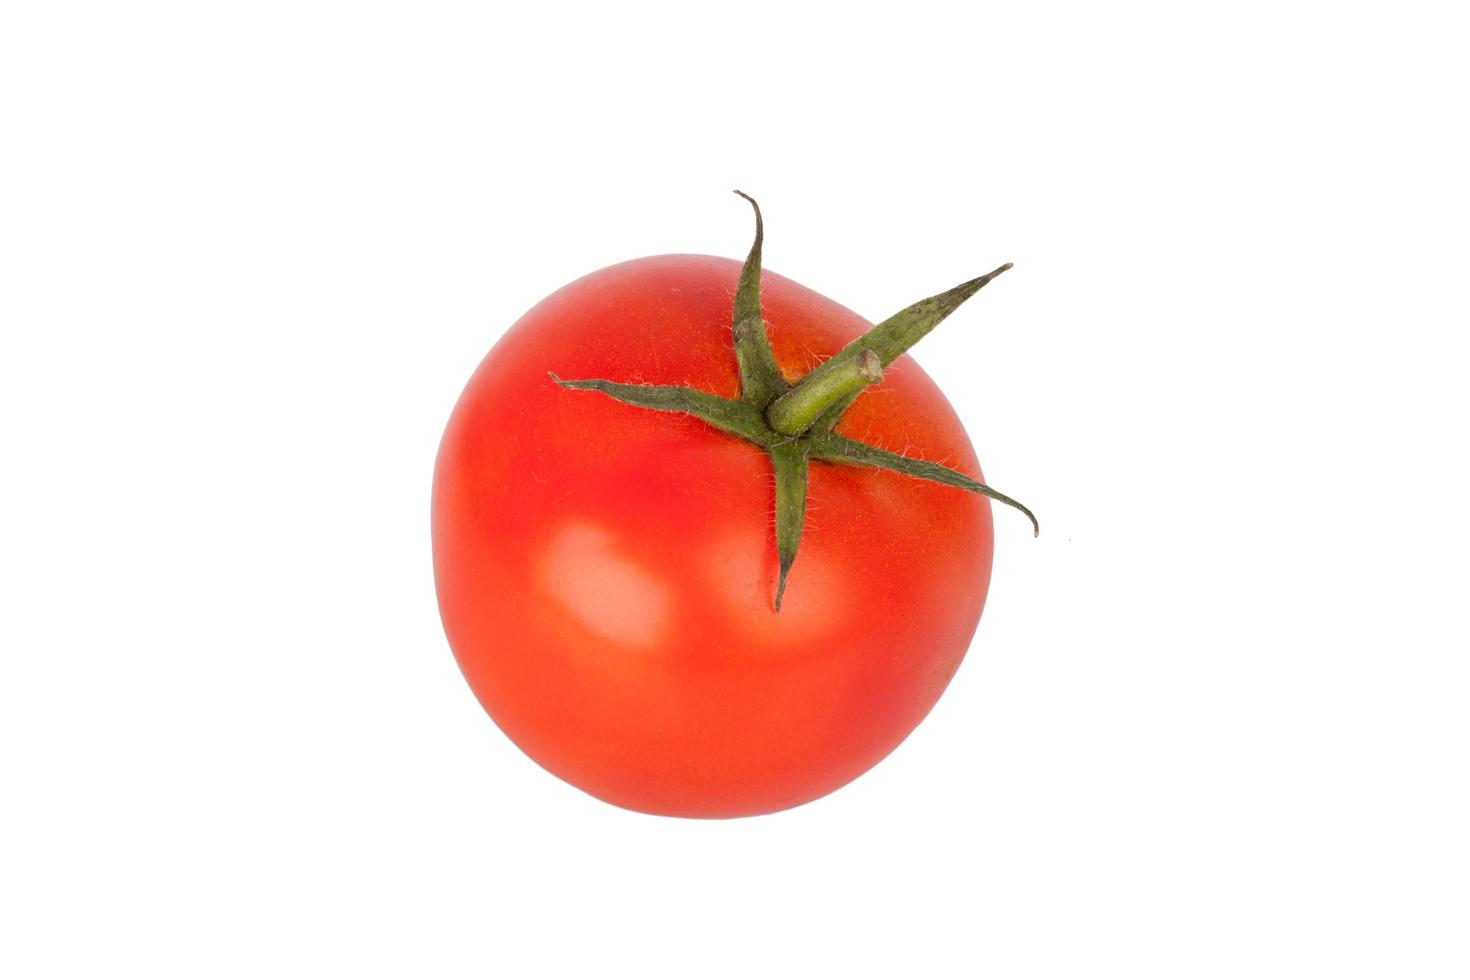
<point>603,589</point>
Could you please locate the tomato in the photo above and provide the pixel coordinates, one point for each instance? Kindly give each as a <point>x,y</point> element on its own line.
<point>605,572</point>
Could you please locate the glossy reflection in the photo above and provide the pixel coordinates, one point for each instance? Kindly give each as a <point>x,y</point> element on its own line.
<point>603,589</point>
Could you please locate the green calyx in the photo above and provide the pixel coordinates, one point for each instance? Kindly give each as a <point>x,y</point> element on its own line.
<point>794,423</point>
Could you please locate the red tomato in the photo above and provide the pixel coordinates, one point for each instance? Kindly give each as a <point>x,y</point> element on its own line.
<point>605,572</point>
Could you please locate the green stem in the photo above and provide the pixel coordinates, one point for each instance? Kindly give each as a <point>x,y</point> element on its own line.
<point>895,335</point>
<point>736,418</point>
<point>789,461</point>
<point>827,384</point>
<point>832,448</point>
<point>760,378</point>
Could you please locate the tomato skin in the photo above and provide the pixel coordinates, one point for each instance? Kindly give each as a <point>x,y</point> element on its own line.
<point>606,573</point>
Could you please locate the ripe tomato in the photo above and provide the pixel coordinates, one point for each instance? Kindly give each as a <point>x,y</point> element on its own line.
<point>605,572</point>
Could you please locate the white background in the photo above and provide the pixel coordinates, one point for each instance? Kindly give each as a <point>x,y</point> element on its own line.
<point>1214,722</point>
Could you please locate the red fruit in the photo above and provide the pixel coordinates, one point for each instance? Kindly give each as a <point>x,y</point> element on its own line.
<point>607,573</point>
